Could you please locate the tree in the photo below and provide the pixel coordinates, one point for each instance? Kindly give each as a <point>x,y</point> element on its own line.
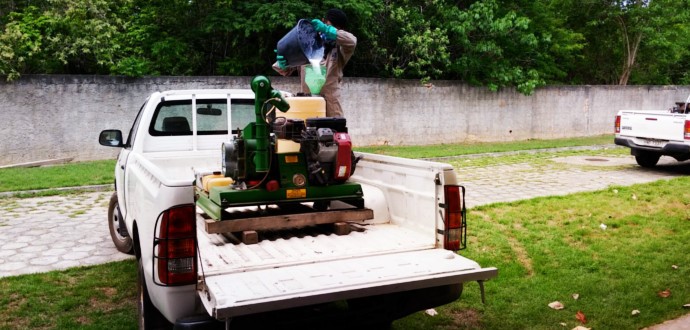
<point>65,36</point>
<point>495,43</point>
<point>638,41</point>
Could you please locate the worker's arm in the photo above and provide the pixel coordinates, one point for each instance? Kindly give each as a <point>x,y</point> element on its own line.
<point>347,42</point>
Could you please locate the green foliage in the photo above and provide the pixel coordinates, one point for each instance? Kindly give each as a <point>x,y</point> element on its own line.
<point>421,49</point>
<point>646,38</point>
<point>67,36</point>
<point>518,44</point>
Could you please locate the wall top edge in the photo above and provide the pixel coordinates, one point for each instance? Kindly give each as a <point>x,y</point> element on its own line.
<point>108,79</point>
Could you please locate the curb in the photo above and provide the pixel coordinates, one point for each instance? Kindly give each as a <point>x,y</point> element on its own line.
<point>30,193</point>
<point>518,152</point>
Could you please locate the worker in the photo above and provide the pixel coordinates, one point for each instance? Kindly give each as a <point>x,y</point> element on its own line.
<point>339,45</point>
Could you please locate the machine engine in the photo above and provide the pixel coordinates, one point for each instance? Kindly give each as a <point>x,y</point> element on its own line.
<point>327,148</point>
<point>322,146</point>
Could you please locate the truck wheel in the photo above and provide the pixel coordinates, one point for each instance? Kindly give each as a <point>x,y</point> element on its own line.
<point>647,159</point>
<point>148,315</point>
<point>123,243</point>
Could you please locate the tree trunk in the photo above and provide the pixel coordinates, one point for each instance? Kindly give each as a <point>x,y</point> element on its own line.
<point>631,51</point>
<point>632,44</point>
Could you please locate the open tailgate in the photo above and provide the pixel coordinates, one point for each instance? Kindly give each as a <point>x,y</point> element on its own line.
<point>241,293</point>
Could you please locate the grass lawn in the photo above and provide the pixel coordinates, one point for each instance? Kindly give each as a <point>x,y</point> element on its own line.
<point>546,249</point>
<point>445,150</point>
<point>99,297</point>
<point>57,176</point>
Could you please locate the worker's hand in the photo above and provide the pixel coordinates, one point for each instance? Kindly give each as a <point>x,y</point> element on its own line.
<point>282,62</point>
<point>328,30</point>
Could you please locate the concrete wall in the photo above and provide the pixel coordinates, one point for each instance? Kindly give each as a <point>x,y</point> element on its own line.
<point>46,117</point>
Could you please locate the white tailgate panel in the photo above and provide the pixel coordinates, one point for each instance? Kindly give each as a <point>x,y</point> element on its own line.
<point>653,125</point>
<point>275,288</point>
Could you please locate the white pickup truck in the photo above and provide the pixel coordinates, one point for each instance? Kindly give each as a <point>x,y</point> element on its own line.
<point>385,268</point>
<point>651,134</point>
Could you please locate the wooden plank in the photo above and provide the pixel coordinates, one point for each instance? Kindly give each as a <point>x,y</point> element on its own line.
<point>341,228</point>
<point>250,237</point>
<point>276,222</point>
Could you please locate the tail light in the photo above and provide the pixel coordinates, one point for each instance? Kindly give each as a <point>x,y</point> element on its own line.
<point>455,231</point>
<point>686,131</point>
<point>617,127</point>
<point>176,243</point>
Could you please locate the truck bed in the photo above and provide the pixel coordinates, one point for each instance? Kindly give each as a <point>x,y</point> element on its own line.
<point>396,251</point>
<point>305,268</point>
<point>308,245</point>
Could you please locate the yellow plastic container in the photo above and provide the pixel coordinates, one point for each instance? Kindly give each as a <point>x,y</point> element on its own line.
<point>284,146</point>
<point>303,107</point>
<point>215,180</point>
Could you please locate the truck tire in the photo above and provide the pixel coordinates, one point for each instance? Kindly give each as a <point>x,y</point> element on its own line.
<point>123,243</point>
<point>148,315</point>
<point>647,159</point>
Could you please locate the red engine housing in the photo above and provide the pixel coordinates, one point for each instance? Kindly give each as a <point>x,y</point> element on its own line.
<point>343,160</point>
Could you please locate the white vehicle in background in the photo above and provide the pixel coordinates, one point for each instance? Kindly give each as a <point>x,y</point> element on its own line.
<point>401,261</point>
<point>651,134</point>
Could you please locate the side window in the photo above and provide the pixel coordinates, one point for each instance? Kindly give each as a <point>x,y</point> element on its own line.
<point>133,130</point>
<point>174,118</point>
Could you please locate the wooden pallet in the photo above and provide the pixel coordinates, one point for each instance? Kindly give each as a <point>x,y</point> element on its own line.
<point>253,222</point>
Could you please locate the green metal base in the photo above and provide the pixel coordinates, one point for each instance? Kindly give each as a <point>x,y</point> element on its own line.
<point>220,198</point>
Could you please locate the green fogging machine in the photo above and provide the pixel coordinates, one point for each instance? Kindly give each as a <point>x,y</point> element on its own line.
<point>285,161</point>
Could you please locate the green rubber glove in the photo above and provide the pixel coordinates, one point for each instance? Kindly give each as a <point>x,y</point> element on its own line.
<point>282,62</point>
<point>329,30</point>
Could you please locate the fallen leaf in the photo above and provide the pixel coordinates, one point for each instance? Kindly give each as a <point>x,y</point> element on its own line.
<point>634,197</point>
<point>579,327</point>
<point>563,324</point>
<point>686,306</point>
<point>431,312</point>
<point>615,191</point>
<point>674,266</point>
<point>602,226</point>
<point>635,312</point>
<point>580,316</point>
<point>664,294</point>
<point>576,296</point>
<point>556,305</point>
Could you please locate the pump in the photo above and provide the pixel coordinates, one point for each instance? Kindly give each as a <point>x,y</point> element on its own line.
<point>279,160</point>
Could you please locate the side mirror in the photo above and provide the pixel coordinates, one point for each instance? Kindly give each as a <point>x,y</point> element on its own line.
<point>111,138</point>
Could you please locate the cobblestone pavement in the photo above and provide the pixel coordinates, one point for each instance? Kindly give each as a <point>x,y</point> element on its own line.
<point>567,175</point>
<point>48,233</point>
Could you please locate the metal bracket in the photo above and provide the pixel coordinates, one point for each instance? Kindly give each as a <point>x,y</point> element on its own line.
<point>481,289</point>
